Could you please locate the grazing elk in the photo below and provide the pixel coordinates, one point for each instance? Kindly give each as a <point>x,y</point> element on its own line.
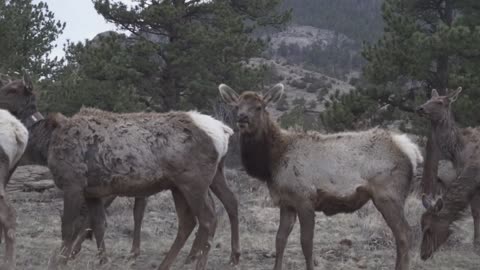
<point>462,147</point>
<point>13,141</point>
<point>335,173</point>
<point>96,154</point>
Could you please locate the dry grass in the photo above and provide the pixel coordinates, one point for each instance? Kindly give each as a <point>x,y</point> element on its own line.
<point>357,241</point>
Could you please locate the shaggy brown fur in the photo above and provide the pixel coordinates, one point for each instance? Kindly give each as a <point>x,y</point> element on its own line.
<point>136,154</point>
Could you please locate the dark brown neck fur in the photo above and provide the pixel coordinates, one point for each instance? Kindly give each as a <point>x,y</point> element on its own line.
<point>449,139</point>
<point>39,142</point>
<point>261,151</point>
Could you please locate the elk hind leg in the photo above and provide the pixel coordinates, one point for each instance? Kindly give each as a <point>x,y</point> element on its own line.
<point>227,198</point>
<point>393,213</point>
<point>7,221</point>
<point>138,213</point>
<point>186,223</point>
<point>207,225</point>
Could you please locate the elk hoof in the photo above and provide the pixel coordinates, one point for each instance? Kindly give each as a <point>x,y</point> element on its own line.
<point>7,266</point>
<point>191,258</point>
<point>234,258</point>
<point>75,251</point>
<point>103,260</point>
<point>134,253</point>
<point>476,247</point>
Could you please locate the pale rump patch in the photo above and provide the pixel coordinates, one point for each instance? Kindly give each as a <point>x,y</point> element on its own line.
<point>218,131</point>
<point>409,148</point>
<point>13,137</point>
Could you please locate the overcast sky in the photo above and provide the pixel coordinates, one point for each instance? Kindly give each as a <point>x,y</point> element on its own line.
<point>83,21</point>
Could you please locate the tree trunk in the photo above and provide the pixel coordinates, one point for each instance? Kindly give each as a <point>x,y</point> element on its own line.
<point>432,155</point>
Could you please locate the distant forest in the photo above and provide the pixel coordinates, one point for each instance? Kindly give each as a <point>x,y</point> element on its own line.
<point>358,19</point>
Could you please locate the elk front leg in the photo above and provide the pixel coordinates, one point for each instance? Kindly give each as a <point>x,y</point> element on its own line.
<point>186,223</point>
<point>475,206</point>
<point>288,216</point>
<point>86,232</point>
<point>72,220</point>
<point>96,211</point>
<point>138,213</point>
<point>306,217</point>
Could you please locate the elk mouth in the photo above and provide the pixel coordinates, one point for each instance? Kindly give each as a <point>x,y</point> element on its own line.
<point>421,112</point>
<point>242,124</point>
<point>426,250</point>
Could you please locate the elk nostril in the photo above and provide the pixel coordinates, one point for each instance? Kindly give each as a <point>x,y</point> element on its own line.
<point>419,109</point>
<point>242,118</point>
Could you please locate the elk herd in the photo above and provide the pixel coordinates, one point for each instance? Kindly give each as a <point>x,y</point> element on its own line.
<point>95,156</point>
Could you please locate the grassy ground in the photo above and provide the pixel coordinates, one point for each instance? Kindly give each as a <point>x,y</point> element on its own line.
<point>357,241</point>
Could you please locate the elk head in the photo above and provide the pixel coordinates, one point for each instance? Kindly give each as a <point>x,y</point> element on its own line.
<point>18,98</point>
<point>435,229</point>
<point>438,107</point>
<point>251,107</point>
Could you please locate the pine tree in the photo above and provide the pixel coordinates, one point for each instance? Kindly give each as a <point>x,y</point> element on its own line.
<point>111,72</point>
<point>434,43</point>
<point>202,43</point>
<point>27,32</point>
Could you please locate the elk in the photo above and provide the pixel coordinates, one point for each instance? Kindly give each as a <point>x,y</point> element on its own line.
<point>218,187</point>
<point>332,173</point>
<point>96,154</point>
<point>462,147</point>
<point>13,141</point>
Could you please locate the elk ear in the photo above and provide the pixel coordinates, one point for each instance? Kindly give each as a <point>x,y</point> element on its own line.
<point>228,95</point>
<point>438,205</point>
<point>426,201</point>
<point>434,93</point>
<point>27,81</point>
<point>452,96</point>
<point>274,94</point>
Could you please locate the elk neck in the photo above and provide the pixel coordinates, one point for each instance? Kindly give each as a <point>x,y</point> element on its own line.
<point>449,139</point>
<point>40,132</point>
<point>262,150</point>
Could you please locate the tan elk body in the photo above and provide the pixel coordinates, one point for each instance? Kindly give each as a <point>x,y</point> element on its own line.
<point>13,141</point>
<point>334,173</point>
<point>96,154</point>
<point>462,148</point>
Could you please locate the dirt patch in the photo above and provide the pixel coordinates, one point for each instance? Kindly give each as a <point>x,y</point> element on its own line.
<point>356,241</point>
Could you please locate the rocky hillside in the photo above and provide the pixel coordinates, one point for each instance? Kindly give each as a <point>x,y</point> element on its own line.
<point>305,83</point>
<point>302,86</point>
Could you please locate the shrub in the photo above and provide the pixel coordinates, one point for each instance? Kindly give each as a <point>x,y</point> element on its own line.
<point>298,84</point>
<point>312,104</point>
<point>312,88</point>
<point>299,101</point>
<point>282,104</point>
